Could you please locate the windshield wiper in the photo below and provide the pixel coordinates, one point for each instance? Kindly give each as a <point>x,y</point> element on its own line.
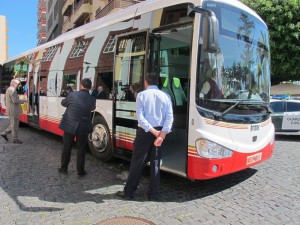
<point>219,116</point>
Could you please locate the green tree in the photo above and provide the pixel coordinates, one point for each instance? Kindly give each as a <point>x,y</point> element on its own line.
<point>283,20</point>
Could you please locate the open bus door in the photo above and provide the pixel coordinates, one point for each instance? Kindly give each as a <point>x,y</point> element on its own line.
<point>169,57</point>
<point>170,53</point>
<point>128,81</point>
<point>32,116</point>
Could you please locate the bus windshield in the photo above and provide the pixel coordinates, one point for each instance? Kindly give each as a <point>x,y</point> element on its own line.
<point>239,70</point>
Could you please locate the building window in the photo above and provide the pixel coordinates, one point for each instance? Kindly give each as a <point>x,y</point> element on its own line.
<point>111,44</point>
<point>50,53</point>
<point>79,49</point>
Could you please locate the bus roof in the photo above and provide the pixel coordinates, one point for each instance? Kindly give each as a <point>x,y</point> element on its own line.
<point>122,15</point>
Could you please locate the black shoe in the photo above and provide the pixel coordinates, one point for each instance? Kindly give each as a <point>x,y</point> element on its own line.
<point>124,196</point>
<point>81,174</point>
<point>62,171</point>
<point>4,136</point>
<point>17,141</point>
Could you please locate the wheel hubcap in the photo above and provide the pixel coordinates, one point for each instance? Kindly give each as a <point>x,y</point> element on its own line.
<point>100,137</point>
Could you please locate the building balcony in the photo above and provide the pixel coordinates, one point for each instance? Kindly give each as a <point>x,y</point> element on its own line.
<point>42,38</point>
<point>67,7</point>
<point>41,35</point>
<point>115,5</point>
<point>41,14</point>
<point>82,11</point>
<point>42,28</point>
<point>41,4</point>
<point>41,41</point>
<point>68,25</point>
<point>41,22</point>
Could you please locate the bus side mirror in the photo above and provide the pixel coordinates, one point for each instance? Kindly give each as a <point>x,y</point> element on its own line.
<point>213,27</point>
<point>213,41</point>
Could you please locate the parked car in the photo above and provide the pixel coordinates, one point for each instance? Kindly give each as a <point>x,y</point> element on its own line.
<point>286,115</point>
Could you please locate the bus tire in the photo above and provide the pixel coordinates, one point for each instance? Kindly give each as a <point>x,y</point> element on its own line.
<point>100,141</point>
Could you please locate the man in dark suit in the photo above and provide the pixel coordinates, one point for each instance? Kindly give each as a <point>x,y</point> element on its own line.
<point>101,94</point>
<point>76,122</point>
<point>94,92</point>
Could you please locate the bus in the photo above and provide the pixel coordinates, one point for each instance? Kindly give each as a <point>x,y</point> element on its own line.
<point>184,42</point>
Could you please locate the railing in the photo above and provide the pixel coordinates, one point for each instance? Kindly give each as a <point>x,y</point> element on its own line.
<point>41,26</point>
<point>41,4</point>
<point>108,8</point>
<point>98,11</point>
<point>41,35</point>
<point>66,20</point>
<point>79,4</point>
<point>113,4</point>
<point>67,25</point>
<point>40,12</point>
<point>64,3</point>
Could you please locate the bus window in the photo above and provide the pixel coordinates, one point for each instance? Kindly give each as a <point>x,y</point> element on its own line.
<point>105,80</point>
<point>69,84</point>
<point>129,68</point>
<point>174,62</point>
<point>128,79</point>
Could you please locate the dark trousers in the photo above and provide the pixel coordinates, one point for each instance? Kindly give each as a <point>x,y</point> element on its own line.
<point>81,141</point>
<point>144,149</point>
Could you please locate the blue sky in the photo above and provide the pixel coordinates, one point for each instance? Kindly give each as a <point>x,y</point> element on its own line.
<point>22,24</point>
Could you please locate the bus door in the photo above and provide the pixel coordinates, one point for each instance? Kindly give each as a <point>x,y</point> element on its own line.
<point>128,81</point>
<point>170,57</point>
<point>32,116</point>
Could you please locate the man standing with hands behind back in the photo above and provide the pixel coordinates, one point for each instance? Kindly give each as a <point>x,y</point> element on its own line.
<point>155,119</point>
<point>13,110</point>
<point>76,122</point>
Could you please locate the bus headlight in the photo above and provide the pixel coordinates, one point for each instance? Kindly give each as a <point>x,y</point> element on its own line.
<point>208,149</point>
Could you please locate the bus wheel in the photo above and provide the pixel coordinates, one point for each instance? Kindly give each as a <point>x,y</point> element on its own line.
<point>100,141</point>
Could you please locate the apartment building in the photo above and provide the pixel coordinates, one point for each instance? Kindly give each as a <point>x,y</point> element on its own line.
<point>54,19</point>
<point>3,39</point>
<point>41,26</point>
<point>79,12</point>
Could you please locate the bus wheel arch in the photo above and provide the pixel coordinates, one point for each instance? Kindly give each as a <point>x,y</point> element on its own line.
<point>100,140</point>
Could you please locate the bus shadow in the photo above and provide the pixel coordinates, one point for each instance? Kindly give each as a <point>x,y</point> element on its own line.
<point>179,189</point>
<point>29,176</point>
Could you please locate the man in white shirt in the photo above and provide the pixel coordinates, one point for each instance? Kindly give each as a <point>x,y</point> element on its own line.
<point>155,119</point>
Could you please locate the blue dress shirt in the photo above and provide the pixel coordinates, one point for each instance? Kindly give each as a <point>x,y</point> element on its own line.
<point>154,109</point>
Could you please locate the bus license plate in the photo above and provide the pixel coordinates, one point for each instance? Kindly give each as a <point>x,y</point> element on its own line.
<point>254,158</point>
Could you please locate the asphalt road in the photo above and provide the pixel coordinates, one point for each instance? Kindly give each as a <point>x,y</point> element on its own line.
<point>32,191</point>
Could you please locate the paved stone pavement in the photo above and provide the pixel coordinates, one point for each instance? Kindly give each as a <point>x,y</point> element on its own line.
<point>32,191</point>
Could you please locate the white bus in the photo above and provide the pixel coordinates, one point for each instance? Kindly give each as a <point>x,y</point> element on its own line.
<point>184,42</point>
